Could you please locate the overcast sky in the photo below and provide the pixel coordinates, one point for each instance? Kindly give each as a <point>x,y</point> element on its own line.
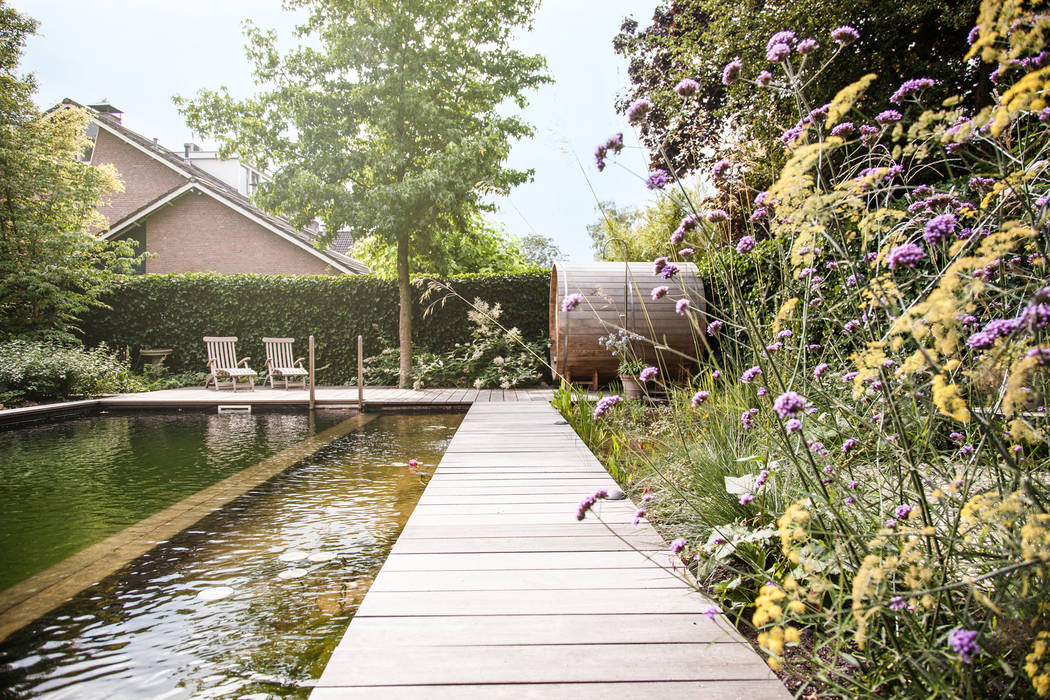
<point>137,54</point>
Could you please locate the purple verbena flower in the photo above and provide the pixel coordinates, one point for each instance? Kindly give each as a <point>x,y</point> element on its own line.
<point>764,78</point>
<point>843,129</point>
<point>844,35</point>
<point>902,511</point>
<point>718,170</point>
<point>678,545</point>
<point>779,46</point>
<point>731,73</point>
<point>659,264</point>
<point>819,370</point>
<point>746,498</point>
<point>940,227</point>
<point>888,117</point>
<point>587,503</point>
<point>713,327</point>
<point>907,255</point>
<point>750,374</point>
<point>669,271</point>
<point>638,109</point>
<point>848,445</point>
<point>659,292</point>
<point>605,404</point>
<point>717,374</point>
<point>793,425</point>
<point>758,214</point>
<point>571,301</point>
<point>910,86</point>
<point>658,179</point>
<point>699,397</point>
<point>681,306</point>
<point>639,514</point>
<point>964,643</point>
<point>745,245</point>
<point>685,252</point>
<point>686,87</point>
<point>869,134</point>
<point>789,404</point>
<point>807,46</point>
<point>897,603</point>
<point>647,374</point>
<point>716,215</point>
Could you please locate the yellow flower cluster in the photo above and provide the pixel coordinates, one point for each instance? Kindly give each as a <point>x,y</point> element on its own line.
<point>947,399</point>
<point>990,510</point>
<point>774,640</point>
<point>767,605</point>
<point>934,322</point>
<point>1037,665</point>
<point>881,573</point>
<point>842,103</point>
<point>790,527</point>
<point>1035,538</point>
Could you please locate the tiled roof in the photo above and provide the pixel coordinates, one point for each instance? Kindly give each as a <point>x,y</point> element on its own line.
<point>228,194</point>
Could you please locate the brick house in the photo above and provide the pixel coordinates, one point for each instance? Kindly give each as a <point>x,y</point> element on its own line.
<point>191,219</point>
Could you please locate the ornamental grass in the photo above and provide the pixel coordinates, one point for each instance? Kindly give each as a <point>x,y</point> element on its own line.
<point>859,470</point>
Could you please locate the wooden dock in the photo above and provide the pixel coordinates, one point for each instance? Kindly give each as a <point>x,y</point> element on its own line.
<point>375,398</point>
<point>495,590</point>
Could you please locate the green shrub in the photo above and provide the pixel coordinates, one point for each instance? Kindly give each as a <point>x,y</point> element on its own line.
<point>47,371</point>
<point>176,310</point>
<point>496,357</point>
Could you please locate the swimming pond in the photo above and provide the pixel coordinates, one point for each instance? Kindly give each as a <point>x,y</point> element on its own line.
<point>68,485</point>
<point>251,600</point>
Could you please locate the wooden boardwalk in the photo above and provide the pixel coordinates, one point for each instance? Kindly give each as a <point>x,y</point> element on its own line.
<point>494,590</point>
<point>376,397</point>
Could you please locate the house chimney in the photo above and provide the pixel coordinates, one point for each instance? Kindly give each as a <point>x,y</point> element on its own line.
<point>107,111</point>
<point>190,147</point>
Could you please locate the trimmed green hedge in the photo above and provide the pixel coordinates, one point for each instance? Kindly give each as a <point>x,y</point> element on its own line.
<point>176,310</point>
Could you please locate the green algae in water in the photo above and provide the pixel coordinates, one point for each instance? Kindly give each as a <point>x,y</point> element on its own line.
<point>68,485</point>
<point>149,630</point>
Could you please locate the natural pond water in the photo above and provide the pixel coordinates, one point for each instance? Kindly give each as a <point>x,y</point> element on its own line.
<point>250,601</point>
<point>65,486</point>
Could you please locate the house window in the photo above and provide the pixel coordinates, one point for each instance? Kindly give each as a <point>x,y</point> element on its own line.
<point>249,180</point>
<point>138,234</point>
<point>89,148</point>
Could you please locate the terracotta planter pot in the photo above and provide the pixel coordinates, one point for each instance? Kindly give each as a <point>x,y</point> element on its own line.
<point>632,388</point>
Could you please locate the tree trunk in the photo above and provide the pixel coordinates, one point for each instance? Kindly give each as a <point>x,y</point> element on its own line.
<point>404,293</point>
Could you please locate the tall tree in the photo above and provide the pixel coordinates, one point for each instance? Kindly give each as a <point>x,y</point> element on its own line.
<point>480,248</point>
<point>386,119</point>
<point>695,39</point>
<point>52,267</point>
<point>612,222</point>
<point>540,250</point>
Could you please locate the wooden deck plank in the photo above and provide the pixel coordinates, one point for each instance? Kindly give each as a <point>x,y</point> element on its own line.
<point>494,585</point>
<point>369,665</point>
<point>694,690</point>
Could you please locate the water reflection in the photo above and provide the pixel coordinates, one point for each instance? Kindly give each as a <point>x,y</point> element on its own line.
<point>67,485</point>
<point>215,611</point>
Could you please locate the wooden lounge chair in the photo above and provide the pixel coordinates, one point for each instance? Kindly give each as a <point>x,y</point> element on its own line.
<point>223,363</point>
<point>281,367</point>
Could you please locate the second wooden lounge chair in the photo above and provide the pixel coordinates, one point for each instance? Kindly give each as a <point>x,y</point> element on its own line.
<point>223,363</point>
<point>281,367</point>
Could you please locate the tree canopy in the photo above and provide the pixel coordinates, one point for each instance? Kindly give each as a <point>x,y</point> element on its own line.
<point>52,266</point>
<point>389,119</point>
<point>696,38</point>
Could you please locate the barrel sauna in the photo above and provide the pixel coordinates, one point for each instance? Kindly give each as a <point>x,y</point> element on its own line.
<point>609,304</point>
